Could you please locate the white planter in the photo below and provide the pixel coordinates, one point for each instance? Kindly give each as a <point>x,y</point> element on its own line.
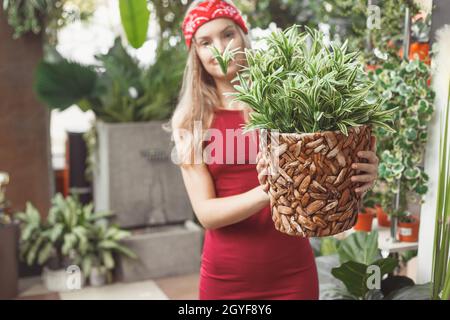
<point>135,177</point>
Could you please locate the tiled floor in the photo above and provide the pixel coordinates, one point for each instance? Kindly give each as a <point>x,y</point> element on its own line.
<point>172,288</point>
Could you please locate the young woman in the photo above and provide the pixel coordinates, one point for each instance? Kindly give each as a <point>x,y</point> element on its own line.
<point>244,256</point>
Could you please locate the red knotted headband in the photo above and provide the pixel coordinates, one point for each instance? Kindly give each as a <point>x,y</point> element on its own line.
<point>207,11</point>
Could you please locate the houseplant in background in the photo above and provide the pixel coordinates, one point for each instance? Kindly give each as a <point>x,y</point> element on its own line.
<point>359,255</point>
<point>59,241</point>
<point>408,227</point>
<point>365,219</point>
<point>374,200</point>
<point>98,261</point>
<point>130,103</point>
<point>133,175</point>
<point>420,35</point>
<point>402,179</point>
<point>318,98</point>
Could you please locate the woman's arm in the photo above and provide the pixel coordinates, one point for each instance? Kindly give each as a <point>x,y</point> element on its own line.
<point>215,212</point>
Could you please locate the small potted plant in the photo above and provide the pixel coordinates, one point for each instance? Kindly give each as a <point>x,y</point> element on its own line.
<point>408,227</point>
<point>98,260</point>
<point>384,220</point>
<point>365,220</point>
<point>420,31</point>
<point>314,103</point>
<point>64,238</point>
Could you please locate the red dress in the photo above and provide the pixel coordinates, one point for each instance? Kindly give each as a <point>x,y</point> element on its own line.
<point>251,259</point>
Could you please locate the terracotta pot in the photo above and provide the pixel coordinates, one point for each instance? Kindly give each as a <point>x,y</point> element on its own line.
<point>364,222</point>
<point>421,49</point>
<point>372,67</point>
<point>408,231</point>
<point>384,220</point>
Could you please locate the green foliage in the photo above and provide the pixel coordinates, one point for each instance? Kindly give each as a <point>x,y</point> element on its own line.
<point>35,16</point>
<point>57,89</point>
<point>355,275</point>
<point>225,57</point>
<point>404,87</point>
<point>72,232</point>
<point>361,247</point>
<point>328,246</point>
<point>118,90</point>
<point>296,87</point>
<point>135,16</point>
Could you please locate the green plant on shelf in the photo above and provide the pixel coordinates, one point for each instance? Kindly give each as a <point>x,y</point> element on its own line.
<point>404,87</point>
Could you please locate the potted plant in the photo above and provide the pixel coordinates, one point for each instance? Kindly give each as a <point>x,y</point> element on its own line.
<point>420,34</point>
<point>131,104</point>
<point>315,102</point>
<point>104,242</point>
<point>358,255</point>
<point>374,201</point>
<point>364,220</point>
<point>408,227</point>
<point>402,179</point>
<point>60,240</point>
<point>8,246</point>
<point>384,220</point>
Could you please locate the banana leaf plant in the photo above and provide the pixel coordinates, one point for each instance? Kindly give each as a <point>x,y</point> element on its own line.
<point>134,15</point>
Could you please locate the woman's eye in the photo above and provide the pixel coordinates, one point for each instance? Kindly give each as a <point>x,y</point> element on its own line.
<point>205,44</point>
<point>228,35</point>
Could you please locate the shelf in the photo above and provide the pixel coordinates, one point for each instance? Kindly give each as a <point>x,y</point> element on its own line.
<point>385,243</point>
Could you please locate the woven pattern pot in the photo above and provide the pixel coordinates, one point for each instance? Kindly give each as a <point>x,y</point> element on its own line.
<point>311,194</point>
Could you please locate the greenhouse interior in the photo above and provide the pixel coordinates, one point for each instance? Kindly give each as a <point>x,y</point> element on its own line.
<point>224,150</point>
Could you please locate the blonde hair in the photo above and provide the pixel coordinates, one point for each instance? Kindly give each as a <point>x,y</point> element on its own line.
<point>196,102</point>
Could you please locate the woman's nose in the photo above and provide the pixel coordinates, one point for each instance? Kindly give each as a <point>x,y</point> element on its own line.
<point>219,46</point>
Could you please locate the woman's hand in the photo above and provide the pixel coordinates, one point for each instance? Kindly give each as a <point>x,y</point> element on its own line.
<point>370,169</point>
<point>262,168</point>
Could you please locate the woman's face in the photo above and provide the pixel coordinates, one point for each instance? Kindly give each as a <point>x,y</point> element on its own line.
<point>218,33</point>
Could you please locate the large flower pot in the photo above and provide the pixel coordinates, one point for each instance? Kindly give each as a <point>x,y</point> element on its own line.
<point>135,177</point>
<point>311,194</point>
<point>408,231</point>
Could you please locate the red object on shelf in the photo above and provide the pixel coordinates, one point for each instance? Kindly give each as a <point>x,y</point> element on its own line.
<point>372,67</point>
<point>364,222</point>
<point>408,231</point>
<point>382,217</point>
<point>421,49</point>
